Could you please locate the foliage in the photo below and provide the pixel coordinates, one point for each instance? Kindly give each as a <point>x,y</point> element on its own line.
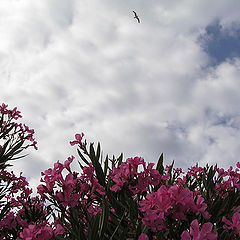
<point>109,198</point>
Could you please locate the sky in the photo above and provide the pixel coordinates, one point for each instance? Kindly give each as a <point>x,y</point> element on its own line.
<point>169,84</point>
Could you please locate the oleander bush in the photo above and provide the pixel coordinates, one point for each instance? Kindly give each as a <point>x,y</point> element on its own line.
<point>109,198</point>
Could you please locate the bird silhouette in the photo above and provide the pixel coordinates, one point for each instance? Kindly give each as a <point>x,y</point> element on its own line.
<point>136,16</point>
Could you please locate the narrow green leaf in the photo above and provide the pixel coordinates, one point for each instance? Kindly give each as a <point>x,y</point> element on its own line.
<point>170,169</point>
<point>116,229</point>
<point>103,219</point>
<point>160,166</point>
<point>98,152</point>
<point>81,166</point>
<point>6,131</point>
<point>19,157</point>
<point>5,210</point>
<point>14,149</point>
<point>97,166</point>
<point>119,160</point>
<point>4,147</point>
<point>99,173</point>
<point>82,157</point>
<point>94,230</point>
<point>170,172</point>
<point>92,153</point>
<point>1,120</point>
<point>105,166</point>
<point>133,208</point>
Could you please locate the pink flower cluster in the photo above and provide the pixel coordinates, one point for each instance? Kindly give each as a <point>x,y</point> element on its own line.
<point>17,195</point>
<point>173,202</point>
<point>69,190</point>
<point>133,198</point>
<point>78,139</point>
<point>167,196</point>
<point>234,224</point>
<point>41,232</point>
<point>26,216</point>
<point>12,132</point>
<point>138,182</point>
<point>232,181</point>
<point>206,232</point>
<point>14,113</point>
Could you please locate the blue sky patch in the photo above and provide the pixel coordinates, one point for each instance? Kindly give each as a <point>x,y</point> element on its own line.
<point>221,44</point>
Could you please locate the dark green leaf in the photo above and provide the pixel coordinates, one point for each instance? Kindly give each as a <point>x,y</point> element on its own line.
<point>82,157</point>
<point>103,219</point>
<point>119,160</point>
<point>105,166</point>
<point>97,166</point>
<point>160,166</point>
<point>14,149</point>
<point>98,152</point>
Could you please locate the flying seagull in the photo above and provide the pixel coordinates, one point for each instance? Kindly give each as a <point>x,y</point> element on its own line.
<point>136,16</point>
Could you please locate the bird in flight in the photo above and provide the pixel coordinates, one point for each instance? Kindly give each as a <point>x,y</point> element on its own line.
<point>136,16</point>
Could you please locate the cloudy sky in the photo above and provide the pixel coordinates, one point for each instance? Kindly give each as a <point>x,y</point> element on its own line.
<point>170,84</point>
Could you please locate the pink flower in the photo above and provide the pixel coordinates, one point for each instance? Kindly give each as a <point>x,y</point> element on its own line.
<point>234,225</point>
<point>205,233</point>
<point>68,162</point>
<point>186,236</point>
<point>201,208</point>
<point>15,114</point>
<point>143,236</point>
<point>33,232</point>
<point>238,164</point>
<point>94,210</point>
<point>67,196</point>
<point>44,233</point>
<point>8,221</point>
<point>78,140</point>
<point>182,201</point>
<point>135,162</point>
<point>155,207</point>
<point>88,172</point>
<point>28,233</point>
<point>34,144</point>
<point>3,108</point>
<point>42,190</point>
<point>59,230</point>
<point>120,176</point>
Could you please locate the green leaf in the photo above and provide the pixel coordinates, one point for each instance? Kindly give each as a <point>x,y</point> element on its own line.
<point>170,169</point>
<point>4,147</point>
<point>98,152</point>
<point>133,208</point>
<point>170,172</point>
<point>94,230</point>
<point>97,166</point>
<point>160,166</point>
<point>1,120</point>
<point>81,166</point>
<point>119,160</point>
<point>4,210</point>
<point>14,149</point>
<point>104,218</point>
<point>19,157</point>
<point>76,229</point>
<point>82,157</point>
<point>116,229</point>
<point>105,166</point>
<point>6,131</point>
<point>92,153</point>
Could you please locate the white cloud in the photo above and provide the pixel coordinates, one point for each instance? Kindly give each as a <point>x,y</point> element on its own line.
<point>141,89</point>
